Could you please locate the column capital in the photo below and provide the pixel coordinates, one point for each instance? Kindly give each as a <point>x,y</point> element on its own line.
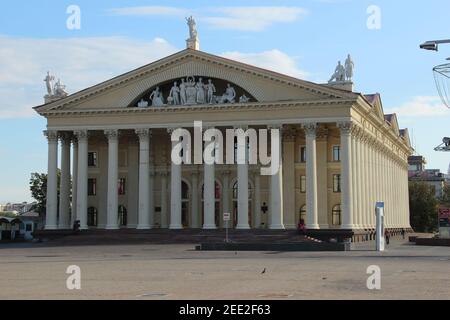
<point>310,128</point>
<point>81,134</point>
<point>243,127</point>
<point>51,135</point>
<point>65,137</point>
<point>143,133</point>
<point>278,126</point>
<point>346,127</point>
<point>112,134</point>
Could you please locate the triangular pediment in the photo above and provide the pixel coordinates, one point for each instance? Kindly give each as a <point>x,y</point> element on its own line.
<point>260,84</point>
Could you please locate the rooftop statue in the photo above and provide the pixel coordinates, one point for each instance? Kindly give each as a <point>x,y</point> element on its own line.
<point>56,90</point>
<point>349,67</point>
<point>339,73</point>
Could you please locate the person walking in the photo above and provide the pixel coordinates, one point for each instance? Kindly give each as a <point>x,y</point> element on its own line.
<point>387,236</point>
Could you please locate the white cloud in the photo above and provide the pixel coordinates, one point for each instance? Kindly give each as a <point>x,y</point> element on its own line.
<point>149,11</point>
<point>274,60</point>
<point>253,18</point>
<point>256,18</point>
<point>421,106</point>
<point>79,62</point>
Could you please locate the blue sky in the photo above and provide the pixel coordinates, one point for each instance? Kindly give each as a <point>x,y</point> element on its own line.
<point>301,38</point>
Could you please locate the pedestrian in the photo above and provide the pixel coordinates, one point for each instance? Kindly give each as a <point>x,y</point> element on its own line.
<point>387,236</point>
<point>403,233</point>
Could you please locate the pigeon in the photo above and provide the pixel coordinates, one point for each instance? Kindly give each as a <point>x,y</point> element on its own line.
<point>264,271</point>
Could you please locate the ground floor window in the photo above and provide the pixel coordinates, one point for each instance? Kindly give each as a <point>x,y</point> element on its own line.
<point>336,215</point>
<point>92,217</point>
<point>123,216</point>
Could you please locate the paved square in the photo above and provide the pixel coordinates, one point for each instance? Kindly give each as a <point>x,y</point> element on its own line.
<point>37,271</point>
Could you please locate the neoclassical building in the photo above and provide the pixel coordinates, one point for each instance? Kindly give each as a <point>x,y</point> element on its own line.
<point>340,153</point>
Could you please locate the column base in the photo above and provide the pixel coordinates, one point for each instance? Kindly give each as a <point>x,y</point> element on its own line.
<point>143,227</point>
<point>312,226</point>
<point>175,227</point>
<point>348,226</point>
<point>324,226</point>
<point>277,227</point>
<point>86,227</point>
<point>209,227</point>
<point>243,227</point>
<point>65,227</point>
<point>51,227</point>
<point>112,227</point>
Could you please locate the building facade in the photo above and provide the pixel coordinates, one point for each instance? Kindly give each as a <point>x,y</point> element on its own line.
<point>432,177</point>
<point>340,153</point>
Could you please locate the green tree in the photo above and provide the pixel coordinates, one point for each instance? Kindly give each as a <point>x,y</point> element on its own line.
<point>38,188</point>
<point>423,207</point>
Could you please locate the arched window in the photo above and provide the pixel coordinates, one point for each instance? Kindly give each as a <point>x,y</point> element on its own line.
<point>236,191</point>
<point>302,215</point>
<point>92,217</point>
<point>123,216</point>
<point>336,215</point>
<point>184,191</point>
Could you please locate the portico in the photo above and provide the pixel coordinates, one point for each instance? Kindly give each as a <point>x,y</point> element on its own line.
<point>339,153</point>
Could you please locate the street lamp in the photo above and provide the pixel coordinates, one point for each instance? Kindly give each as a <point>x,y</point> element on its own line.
<point>433,45</point>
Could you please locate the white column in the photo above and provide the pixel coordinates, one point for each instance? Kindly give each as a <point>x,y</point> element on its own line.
<point>164,215</point>
<point>82,181</point>
<point>151,197</point>
<point>113,178</point>
<point>144,179</point>
<point>52,181</point>
<point>354,170</point>
<point>64,200</point>
<point>311,176</point>
<point>360,182</point>
<point>209,196</point>
<point>346,175</point>
<point>366,184</point>
<point>195,219</point>
<point>276,191</point>
<point>74,182</point>
<point>371,185</point>
<point>175,193</point>
<point>242,178</point>
<point>257,195</point>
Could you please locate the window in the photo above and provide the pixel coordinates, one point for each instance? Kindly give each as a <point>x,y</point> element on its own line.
<point>92,187</point>
<point>92,159</point>
<point>92,217</point>
<point>336,215</point>
<point>336,183</point>
<point>122,186</point>
<point>336,153</point>
<point>123,216</point>
<point>302,154</point>
<point>303,184</point>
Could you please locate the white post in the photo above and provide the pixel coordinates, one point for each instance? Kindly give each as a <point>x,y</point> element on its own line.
<point>311,176</point>
<point>380,226</point>
<point>113,178</point>
<point>82,181</point>
<point>144,179</point>
<point>64,201</point>
<point>242,179</point>
<point>276,191</point>
<point>52,181</point>
<point>346,174</point>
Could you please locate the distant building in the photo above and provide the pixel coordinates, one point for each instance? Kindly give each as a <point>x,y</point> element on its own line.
<point>19,207</point>
<point>433,177</point>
